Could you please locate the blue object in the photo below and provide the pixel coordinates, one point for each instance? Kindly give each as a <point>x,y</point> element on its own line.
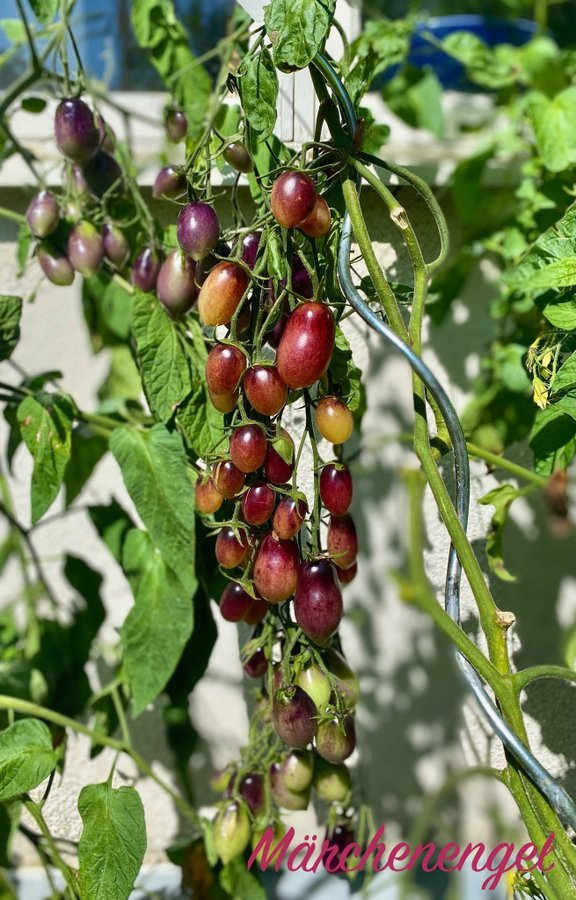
<point>491,30</point>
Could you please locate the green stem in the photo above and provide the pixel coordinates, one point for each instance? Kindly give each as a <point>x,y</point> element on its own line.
<point>14,216</point>
<point>67,874</point>
<point>26,708</point>
<point>514,468</point>
<point>383,289</point>
<point>527,676</point>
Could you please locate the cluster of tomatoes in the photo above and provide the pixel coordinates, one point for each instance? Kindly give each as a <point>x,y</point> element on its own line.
<point>271,343</point>
<point>266,544</point>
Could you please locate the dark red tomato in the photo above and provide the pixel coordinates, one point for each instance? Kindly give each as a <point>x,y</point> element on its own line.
<point>293,197</point>
<point>336,488</point>
<point>224,367</point>
<point>276,569</point>
<point>276,469</point>
<point>318,602</point>
<point>342,541</point>
<point>258,504</point>
<point>306,346</point>
<point>289,517</point>
<point>265,390</point>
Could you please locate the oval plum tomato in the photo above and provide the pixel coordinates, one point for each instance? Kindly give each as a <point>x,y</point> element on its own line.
<point>198,229</point>
<point>85,249</point>
<point>293,716</point>
<point>176,283</point>
<point>336,488</point>
<point>317,224</point>
<point>342,540</point>
<point>336,739</point>
<point>258,504</point>
<point>208,499</point>
<point>276,569</point>
<point>334,420</point>
<point>289,517</point>
<point>224,367</point>
<point>231,550</point>
<point>318,601</point>
<point>248,447</point>
<point>55,264</point>
<point>228,479</point>
<point>306,345</point>
<point>276,469</point>
<point>221,293</point>
<point>265,390</point>
<point>76,131</point>
<point>145,270</point>
<point>231,831</point>
<point>293,197</point>
<point>43,214</point>
<point>235,602</point>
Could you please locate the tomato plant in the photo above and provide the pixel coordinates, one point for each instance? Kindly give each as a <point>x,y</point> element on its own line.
<point>226,327</point>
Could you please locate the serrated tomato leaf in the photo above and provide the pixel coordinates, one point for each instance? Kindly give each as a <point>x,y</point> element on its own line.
<point>154,469</point>
<point>27,757</point>
<point>164,361</point>
<point>297,29</point>
<point>112,843</point>
<point>46,427</point>
<point>160,623</point>
<point>10,313</point>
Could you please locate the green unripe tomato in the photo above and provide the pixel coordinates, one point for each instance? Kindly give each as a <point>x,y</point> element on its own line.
<point>297,769</point>
<point>331,782</point>
<point>313,680</point>
<point>231,831</point>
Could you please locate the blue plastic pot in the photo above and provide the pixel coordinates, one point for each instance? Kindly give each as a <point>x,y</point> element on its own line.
<point>490,30</point>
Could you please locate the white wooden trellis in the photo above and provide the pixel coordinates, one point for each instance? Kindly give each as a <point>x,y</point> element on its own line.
<point>297,101</point>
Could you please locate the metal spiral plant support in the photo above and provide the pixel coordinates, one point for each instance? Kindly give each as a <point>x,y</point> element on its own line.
<point>556,795</point>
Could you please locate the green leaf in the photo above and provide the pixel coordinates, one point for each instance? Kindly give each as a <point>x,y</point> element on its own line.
<point>27,757</point>
<point>553,124</point>
<point>159,625</point>
<point>239,882</point>
<point>112,843</point>
<point>501,498</point>
<point>491,68</point>
<point>46,426</point>
<point>159,32</point>
<point>415,96</point>
<point>64,648</point>
<point>44,10</point>
<point>258,84</point>
<point>154,469</point>
<point>561,312</point>
<point>347,375</point>
<point>24,243</point>
<point>553,436</point>
<point>87,449</point>
<point>383,43</point>
<point>9,821</point>
<point>108,311</point>
<point>34,104</point>
<point>112,524</point>
<point>10,313</point>
<point>199,422</point>
<point>297,30</point>
<point>163,357</point>
<point>565,378</point>
<point>122,382</point>
<point>555,245</point>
